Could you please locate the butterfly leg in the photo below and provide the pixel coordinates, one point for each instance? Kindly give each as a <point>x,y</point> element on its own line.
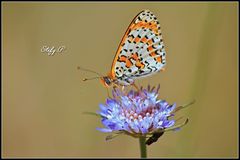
<point>134,85</point>
<point>131,82</point>
<point>115,86</point>
<point>108,93</point>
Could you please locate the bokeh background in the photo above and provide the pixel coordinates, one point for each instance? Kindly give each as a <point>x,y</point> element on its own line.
<point>44,97</point>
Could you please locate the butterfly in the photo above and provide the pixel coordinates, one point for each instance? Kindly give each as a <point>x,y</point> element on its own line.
<point>140,53</point>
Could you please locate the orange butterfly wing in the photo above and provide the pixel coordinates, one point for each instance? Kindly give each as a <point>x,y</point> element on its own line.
<point>130,60</point>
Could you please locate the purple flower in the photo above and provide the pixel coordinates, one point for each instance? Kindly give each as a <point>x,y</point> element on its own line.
<point>136,113</point>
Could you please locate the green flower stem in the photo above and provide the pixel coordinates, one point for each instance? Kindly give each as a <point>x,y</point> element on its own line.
<point>143,147</point>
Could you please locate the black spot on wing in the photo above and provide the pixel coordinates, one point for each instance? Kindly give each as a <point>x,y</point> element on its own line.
<point>146,63</point>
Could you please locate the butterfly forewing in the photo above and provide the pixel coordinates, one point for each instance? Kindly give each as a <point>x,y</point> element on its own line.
<point>141,51</point>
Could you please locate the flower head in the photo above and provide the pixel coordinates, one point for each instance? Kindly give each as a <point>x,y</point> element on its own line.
<point>136,113</point>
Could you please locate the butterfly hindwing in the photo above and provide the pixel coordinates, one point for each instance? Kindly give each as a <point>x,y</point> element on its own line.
<point>141,51</point>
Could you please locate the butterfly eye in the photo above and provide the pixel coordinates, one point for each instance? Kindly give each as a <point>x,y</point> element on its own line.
<point>107,81</point>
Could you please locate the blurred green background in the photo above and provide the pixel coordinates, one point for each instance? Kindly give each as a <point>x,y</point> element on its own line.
<point>44,97</point>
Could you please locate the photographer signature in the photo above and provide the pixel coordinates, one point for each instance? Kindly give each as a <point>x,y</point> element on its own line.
<point>52,50</point>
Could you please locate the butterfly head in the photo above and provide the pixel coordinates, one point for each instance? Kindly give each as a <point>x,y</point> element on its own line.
<point>106,81</point>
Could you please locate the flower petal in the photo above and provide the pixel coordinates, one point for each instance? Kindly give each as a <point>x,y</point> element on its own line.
<point>104,129</point>
<point>168,124</point>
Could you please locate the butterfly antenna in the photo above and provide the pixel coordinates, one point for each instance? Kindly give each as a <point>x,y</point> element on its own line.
<point>88,70</point>
<point>86,79</point>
